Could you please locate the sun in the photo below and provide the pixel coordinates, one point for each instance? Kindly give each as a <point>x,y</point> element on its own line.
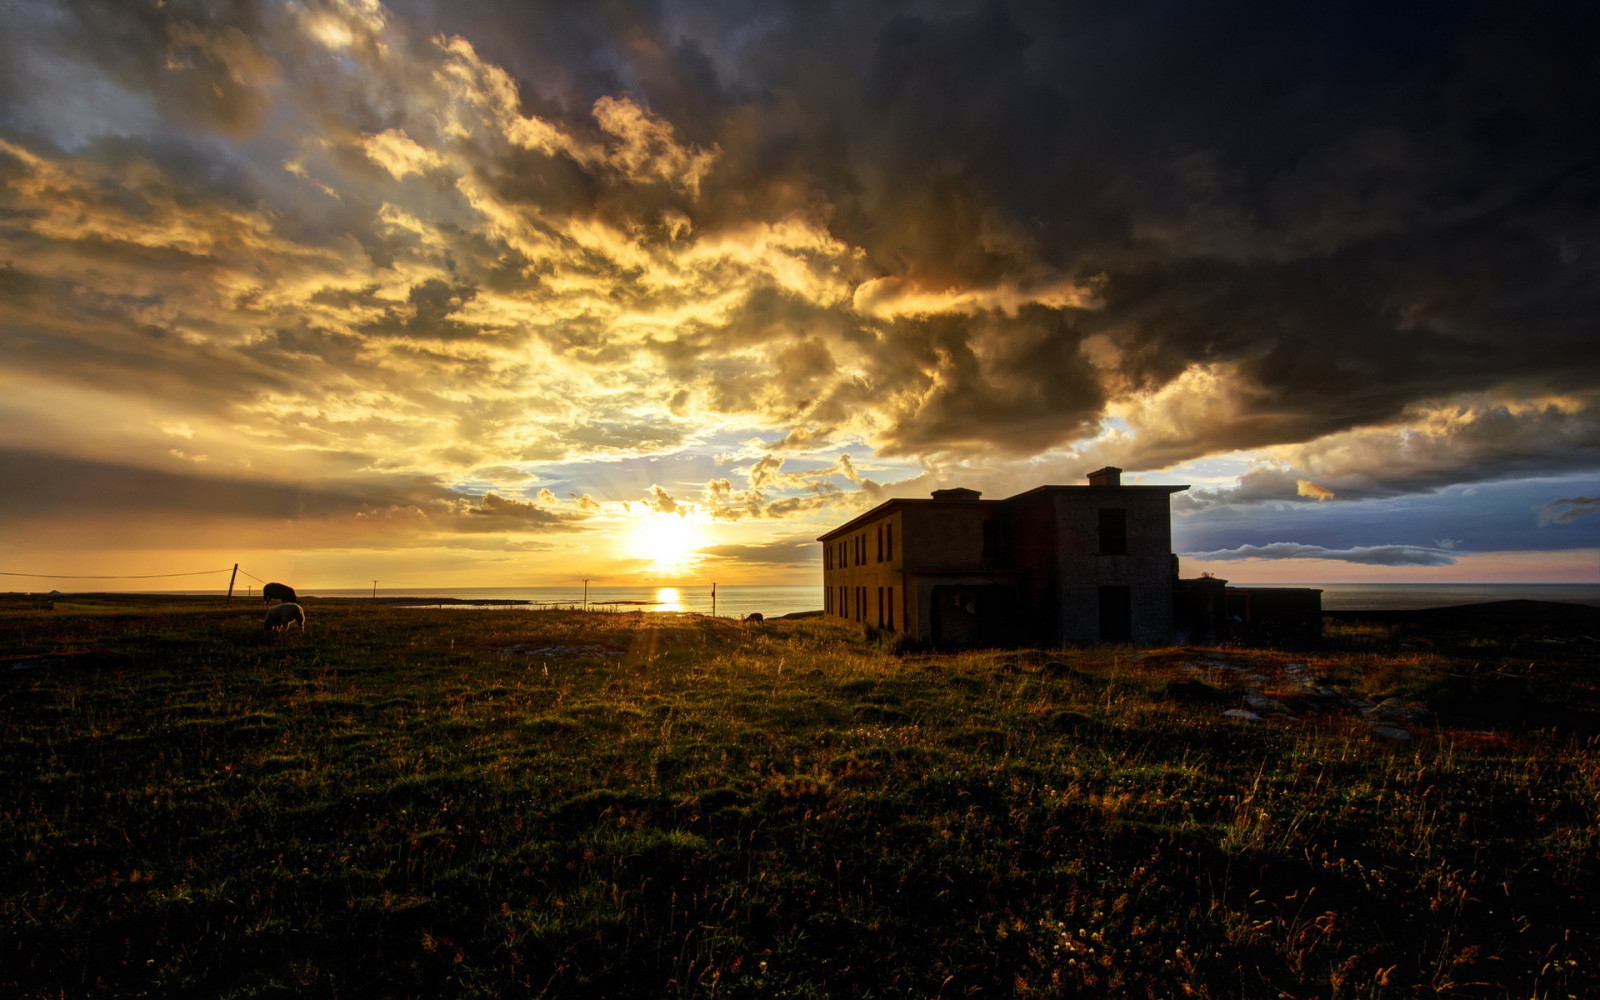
<point>667,541</point>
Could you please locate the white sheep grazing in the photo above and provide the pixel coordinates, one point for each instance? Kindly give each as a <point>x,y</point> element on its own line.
<point>281,616</point>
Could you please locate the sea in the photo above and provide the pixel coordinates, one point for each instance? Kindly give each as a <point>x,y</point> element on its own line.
<point>737,601</point>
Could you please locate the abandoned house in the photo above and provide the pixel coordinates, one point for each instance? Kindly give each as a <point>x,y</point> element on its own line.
<point>1057,565</point>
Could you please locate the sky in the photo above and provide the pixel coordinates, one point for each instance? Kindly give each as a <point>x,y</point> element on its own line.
<point>512,294</point>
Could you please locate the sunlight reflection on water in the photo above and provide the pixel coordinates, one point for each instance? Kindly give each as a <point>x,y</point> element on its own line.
<point>668,599</point>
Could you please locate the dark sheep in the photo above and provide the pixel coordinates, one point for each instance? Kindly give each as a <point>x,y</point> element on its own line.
<point>277,592</point>
<point>756,617</point>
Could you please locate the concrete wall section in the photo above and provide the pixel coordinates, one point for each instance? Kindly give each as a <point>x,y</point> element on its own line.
<point>1086,609</point>
<point>861,577</point>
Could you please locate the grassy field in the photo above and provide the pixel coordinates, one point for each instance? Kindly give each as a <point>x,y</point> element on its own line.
<point>419,803</point>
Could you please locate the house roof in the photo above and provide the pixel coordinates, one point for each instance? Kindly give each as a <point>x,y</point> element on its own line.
<point>888,506</point>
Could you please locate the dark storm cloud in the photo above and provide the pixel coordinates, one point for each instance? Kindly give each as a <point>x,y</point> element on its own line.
<point>36,488</point>
<point>1428,450</point>
<point>1567,509</point>
<point>496,513</point>
<point>951,230</point>
<point>780,553</point>
<point>1366,555</point>
<point>33,485</point>
<point>1352,207</point>
<point>1512,515</point>
<point>202,60</point>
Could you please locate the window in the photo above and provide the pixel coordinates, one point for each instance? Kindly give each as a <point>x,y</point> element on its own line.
<point>1113,531</point>
<point>889,539</point>
<point>996,540</point>
<point>880,607</point>
<point>891,608</point>
<point>827,557</point>
<point>880,543</point>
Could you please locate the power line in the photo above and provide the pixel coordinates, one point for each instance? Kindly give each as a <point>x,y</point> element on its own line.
<point>147,576</point>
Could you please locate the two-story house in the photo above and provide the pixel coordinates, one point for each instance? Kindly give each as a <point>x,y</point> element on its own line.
<point>1056,565</point>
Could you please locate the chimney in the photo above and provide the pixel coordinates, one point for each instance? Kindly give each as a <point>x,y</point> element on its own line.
<point>957,495</point>
<point>1108,476</point>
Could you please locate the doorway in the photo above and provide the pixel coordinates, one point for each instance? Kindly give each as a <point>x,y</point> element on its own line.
<point>1116,614</point>
<point>973,615</point>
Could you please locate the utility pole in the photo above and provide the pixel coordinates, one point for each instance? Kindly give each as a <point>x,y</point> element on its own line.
<point>713,600</point>
<point>232,578</point>
<point>374,590</point>
<point>586,595</point>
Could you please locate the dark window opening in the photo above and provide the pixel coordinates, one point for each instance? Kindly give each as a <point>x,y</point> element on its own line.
<point>1113,531</point>
<point>996,540</point>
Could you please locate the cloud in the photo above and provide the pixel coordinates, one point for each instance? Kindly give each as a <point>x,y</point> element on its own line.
<point>660,501</point>
<point>500,512</point>
<point>127,506</point>
<point>781,553</point>
<point>1482,436</point>
<point>1567,509</point>
<point>1367,555</point>
<point>350,239</point>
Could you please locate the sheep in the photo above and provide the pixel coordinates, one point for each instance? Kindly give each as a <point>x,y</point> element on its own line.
<point>281,616</point>
<point>755,618</point>
<point>277,591</point>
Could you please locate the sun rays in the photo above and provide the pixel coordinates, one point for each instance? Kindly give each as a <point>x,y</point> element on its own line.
<point>669,543</point>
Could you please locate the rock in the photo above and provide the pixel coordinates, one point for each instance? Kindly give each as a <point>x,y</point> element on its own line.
<point>1398,710</point>
<point>1394,734</point>
<point>1193,692</point>
<point>1239,713</point>
<point>1055,668</point>
<point>1262,703</point>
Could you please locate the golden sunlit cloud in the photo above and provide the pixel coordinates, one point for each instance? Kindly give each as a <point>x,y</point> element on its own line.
<point>1307,488</point>
<point>891,298</point>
